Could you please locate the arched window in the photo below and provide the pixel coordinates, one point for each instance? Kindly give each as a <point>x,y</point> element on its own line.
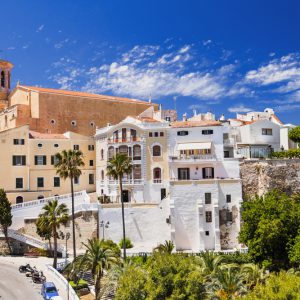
<point>102,154</point>
<point>40,197</point>
<point>157,175</point>
<point>133,134</point>
<point>19,200</point>
<point>156,150</point>
<point>111,152</point>
<point>137,153</point>
<point>102,175</point>
<point>123,150</point>
<point>2,81</point>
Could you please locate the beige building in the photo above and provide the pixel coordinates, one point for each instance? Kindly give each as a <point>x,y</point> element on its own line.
<point>27,163</point>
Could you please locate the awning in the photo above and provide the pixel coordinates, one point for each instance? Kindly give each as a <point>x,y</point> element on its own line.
<point>194,146</point>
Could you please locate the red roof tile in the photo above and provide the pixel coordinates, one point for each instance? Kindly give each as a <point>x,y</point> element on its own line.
<point>46,136</point>
<point>183,124</point>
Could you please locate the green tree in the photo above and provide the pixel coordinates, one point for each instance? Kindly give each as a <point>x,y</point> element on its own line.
<point>117,167</point>
<point>210,262</point>
<point>54,215</point>
<point>294,135</point>
<point>270,225</point>
<point>166,247</point>
<point>68,165</point>
<point>96,259</point>
<point>44,230</point>
<point>5,216</point>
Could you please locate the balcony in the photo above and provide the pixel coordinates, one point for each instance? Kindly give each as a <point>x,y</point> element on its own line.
<point>157,181</point>
<point>127,182</point>
<point>129,139</point>
<point>192,158</point>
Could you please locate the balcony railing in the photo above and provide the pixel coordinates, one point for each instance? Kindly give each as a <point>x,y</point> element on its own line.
<point>126,181</point>
<point>128,139</point>
<point>157,180</point>
<point>183,157</point>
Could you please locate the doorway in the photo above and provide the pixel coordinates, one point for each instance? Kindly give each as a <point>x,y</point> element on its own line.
<point>125,196</point>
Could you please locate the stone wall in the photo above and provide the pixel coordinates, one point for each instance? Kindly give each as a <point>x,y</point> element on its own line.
<point>261,176</point>
<point>18,248</point>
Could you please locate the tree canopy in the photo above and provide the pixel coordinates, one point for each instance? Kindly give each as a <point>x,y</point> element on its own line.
<point>5,215</point>
<point>294,134</point>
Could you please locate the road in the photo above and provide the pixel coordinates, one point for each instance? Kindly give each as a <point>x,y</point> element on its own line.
<point>16,286</point>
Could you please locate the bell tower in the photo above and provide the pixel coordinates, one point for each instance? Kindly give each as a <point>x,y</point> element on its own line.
<point>5,71</point>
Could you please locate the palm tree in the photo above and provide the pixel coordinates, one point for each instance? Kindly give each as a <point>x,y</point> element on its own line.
<point>67,166</point>
<point>210,262</point>
<point>44,230</point>
<point>117,167</point>
<point>167,247</point>
<point>96,259</point>
<point>54,215</point>
<point>253,274</point>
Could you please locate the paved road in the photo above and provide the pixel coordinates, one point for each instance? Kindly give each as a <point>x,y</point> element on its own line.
<point>16,286</point>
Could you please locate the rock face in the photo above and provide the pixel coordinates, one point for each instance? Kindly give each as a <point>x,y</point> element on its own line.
<point>261,176</point>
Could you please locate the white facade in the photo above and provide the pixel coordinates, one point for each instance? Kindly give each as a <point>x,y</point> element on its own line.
<point>205,188</point>
<point>285,142</point>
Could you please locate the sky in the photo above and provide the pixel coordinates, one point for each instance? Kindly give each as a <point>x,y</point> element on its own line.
<point>221,56</point>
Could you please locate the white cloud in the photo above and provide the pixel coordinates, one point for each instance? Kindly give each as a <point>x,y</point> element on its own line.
<point>239,108</point>
<point>61,43</point>
<point>11,48</point>
<point>40,28</point>
<point>207,42</point>
<point>284,71</point>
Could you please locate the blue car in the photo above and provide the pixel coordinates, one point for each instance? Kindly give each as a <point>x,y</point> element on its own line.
<point>49,290</point>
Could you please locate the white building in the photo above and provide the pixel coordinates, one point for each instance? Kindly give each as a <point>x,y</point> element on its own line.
<point>285,142</point>
<point>205,188</point>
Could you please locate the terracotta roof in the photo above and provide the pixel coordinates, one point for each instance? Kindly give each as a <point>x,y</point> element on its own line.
<point>183,124</point>
<point>46,136</point>
<point>81,94</point>
<point>276,118</point>
<point>145,119</point>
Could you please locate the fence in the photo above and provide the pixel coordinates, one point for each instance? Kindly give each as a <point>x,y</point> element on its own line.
<point>63,280</point>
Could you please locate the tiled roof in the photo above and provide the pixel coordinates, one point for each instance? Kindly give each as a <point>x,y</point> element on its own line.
<point>183,124</point>
<point>81,94</point>
<point>276,118</point>
<point>145,119</point>
<point>46,136</point>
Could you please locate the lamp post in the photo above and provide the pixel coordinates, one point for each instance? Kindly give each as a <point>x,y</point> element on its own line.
<point>103,226</point>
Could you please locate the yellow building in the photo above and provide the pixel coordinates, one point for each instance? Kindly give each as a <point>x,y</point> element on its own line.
<point>27,163</point>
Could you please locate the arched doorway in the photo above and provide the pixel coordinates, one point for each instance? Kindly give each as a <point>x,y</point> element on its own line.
<point>19,200</point>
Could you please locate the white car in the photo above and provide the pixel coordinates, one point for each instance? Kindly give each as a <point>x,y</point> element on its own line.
<point>56,298</point>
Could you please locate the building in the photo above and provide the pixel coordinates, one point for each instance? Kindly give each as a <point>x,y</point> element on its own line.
<point>205,187</point>
<point>144,139</point>
<point>285,142</point>
<point>27,163</point>
<point>5,71</point>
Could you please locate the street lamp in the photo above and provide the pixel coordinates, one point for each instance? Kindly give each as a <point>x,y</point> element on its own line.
<point>104,225</point>
<point>66,237</point>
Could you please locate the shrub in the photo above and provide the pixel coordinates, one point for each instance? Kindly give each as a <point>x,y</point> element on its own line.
<point>109,244</point>
<point>82,284</point>
<point>127,243</point>
<point>292,153</point>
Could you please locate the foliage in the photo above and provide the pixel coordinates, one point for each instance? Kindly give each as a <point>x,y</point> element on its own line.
<point>166,247</point>
<point>128,243</point>
<point>294,253</point>
<point>270,225</point>
<point>292,153</point>
<point>81,284</point>
<point>38,252</point>
<point>68,166</point>
<point>54,215</point>
<point>238,258</point>
<point>117,167</point>
<point>109,244</point>
<point>5,216</point>
<point>282,286</point>
<point>42,228</point>
<point>294,134</point>
<point>96,259</point>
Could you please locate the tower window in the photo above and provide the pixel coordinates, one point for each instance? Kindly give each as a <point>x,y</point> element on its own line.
<point>73,123</point>
<point>2,81</point>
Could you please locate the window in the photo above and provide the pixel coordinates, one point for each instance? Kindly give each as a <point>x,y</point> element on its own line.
<point>73,123</point>
<point>19,200</point>
<point>2,83</point>
<point>267,131</point>
<point>111,152</point>
<point>229,216</point>
<point>207,233</point>
<point>137,172</point>
<point>76,147</point>
<point>156,134</point>
<point>19,183</point>
<point>157,175</point>
<point>102,175</point>
<point>40,182</point>
<point>56,181</point>
<point>54,160</point>
<point>52,121</point>
<point>91,163</point>
<point>19,160</point>
<point>91,178</point>
<point>92,124</point>
<point>123,150</point>
<point>102,154</point>
<point>76,180</point>
<point>40,160</point>
<point>208,216</point>
<point>40,145</point>
<point>207,197</point>
<point>133,134</point>
<point>19,141</point>
<point>161,134</point>
<point>183,173</point>
<point>91,147</point>
<point>208,173</point>
<point>207,131</point>
<point>150,134</point>
<point>181,133</point>
<point>56,145</point>
<point>137,152</point>
<point>168,119</point>
<point>40,197</point>
<point>163,193</point>
<point>156,150</point>
<point>228,198</point>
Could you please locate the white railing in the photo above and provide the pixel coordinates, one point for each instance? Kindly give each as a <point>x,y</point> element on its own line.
<point>39,202</point>
<point>126,181</point>
<point>183,157</point>
<point>156,180</point>
<point>69,290</point>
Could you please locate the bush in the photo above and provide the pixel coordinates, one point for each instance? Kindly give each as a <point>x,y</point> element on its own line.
<point>82,284</point>
<point>109,244</point>
<point>127,243</point>
<point>292,153</point>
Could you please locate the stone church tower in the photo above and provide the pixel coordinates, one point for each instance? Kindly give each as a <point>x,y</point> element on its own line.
<point>5,70</point>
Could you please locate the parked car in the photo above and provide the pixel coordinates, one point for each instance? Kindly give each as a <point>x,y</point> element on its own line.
<point>56,298</point>
<point>49,291</point>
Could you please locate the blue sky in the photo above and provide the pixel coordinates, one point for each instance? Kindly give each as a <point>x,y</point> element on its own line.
<point>223,56</point>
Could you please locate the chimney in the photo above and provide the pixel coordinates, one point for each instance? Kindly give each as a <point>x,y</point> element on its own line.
<point>184,117</point>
